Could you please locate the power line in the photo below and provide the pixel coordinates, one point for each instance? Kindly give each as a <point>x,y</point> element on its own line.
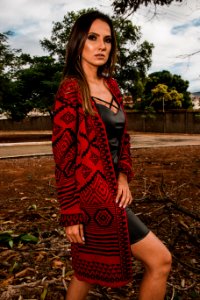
<point>152,13</point>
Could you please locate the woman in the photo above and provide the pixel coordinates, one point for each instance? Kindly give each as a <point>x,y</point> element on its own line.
<point>93,167</point>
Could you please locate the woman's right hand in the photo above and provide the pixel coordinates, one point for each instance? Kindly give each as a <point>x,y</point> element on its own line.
<point>75,233</point>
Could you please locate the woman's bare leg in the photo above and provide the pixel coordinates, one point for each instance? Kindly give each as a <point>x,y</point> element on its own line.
<point>77,289</point>
<point>157,263</point>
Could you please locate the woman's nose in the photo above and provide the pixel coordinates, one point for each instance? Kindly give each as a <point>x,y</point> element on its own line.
<point>102,44</point>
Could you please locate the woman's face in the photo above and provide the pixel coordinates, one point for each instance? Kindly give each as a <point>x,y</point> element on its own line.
<point>97,46</point>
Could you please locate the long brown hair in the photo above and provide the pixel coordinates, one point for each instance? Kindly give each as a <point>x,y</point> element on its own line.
<point>77,38</point>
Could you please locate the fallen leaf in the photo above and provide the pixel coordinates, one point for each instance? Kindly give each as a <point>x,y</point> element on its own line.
<point>7,281</point>
<point>6,253</point>
<point>25,272</point>
<point>57,264</point>
<point>41,256</point>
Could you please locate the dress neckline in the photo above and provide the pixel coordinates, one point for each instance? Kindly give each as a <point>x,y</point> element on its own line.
<point>110,104</point>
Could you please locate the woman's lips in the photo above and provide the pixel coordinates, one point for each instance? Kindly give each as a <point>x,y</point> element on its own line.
<point>100,55</point>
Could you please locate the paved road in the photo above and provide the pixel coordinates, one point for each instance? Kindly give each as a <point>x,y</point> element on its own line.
<point>164,140</point>
<point>138,140</point>
<point>11,150</point>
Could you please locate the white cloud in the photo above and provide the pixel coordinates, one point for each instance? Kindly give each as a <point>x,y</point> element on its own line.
<point>32,20</point>
<point>174,31</point>
<point>170,48</point>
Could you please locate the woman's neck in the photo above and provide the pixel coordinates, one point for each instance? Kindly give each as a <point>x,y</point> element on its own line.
<point>91,74</point>
<point>95,83</point>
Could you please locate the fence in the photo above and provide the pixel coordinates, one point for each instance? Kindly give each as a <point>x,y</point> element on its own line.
<point>31,123</point>
<point>167,122</point>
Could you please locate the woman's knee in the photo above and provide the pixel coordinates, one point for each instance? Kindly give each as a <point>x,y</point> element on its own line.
<point>161,263</point>
<point>153,254</point>
<point>165,260</point>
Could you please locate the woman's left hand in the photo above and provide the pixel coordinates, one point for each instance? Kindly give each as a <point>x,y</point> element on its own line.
<point>124,196</point>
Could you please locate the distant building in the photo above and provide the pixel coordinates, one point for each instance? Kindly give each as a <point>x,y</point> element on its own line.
<point>3,116</point>
<point>195,100</point>
<point>33,113</point>
<point>128,101</point>
<point>37,113</point>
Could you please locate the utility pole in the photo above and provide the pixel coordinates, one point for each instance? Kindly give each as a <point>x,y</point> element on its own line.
<point>163,104</point>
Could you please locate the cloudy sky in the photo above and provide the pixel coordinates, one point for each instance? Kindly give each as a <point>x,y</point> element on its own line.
<point>174,31</point>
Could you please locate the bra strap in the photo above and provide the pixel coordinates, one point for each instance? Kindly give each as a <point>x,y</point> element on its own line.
<point>110,104</point>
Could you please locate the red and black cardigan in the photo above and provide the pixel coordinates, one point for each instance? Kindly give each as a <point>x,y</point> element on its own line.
<point>87,187</point>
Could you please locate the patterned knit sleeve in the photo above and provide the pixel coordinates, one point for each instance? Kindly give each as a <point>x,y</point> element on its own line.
<point>64,143</point>
<point>125,161</point>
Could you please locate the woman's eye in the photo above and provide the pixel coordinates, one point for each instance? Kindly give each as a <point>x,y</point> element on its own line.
<point>91,37</point>
<point>108,40</point>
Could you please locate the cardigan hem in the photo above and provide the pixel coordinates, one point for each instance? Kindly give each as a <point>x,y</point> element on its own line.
<point>103,283</point>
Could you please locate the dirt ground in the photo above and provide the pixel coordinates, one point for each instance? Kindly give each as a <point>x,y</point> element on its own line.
<point>35,258</point>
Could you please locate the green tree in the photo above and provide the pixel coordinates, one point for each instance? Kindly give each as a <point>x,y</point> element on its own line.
<point>172,81</point>
<point>134,57</point>
<point>26,82</point>
<point>39,82</point>
<point>7,56</point>
<point>8,66</point>
<point>163,98</point>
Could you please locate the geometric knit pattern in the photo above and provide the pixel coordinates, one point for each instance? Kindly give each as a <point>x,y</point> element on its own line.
<point>87,187</point>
